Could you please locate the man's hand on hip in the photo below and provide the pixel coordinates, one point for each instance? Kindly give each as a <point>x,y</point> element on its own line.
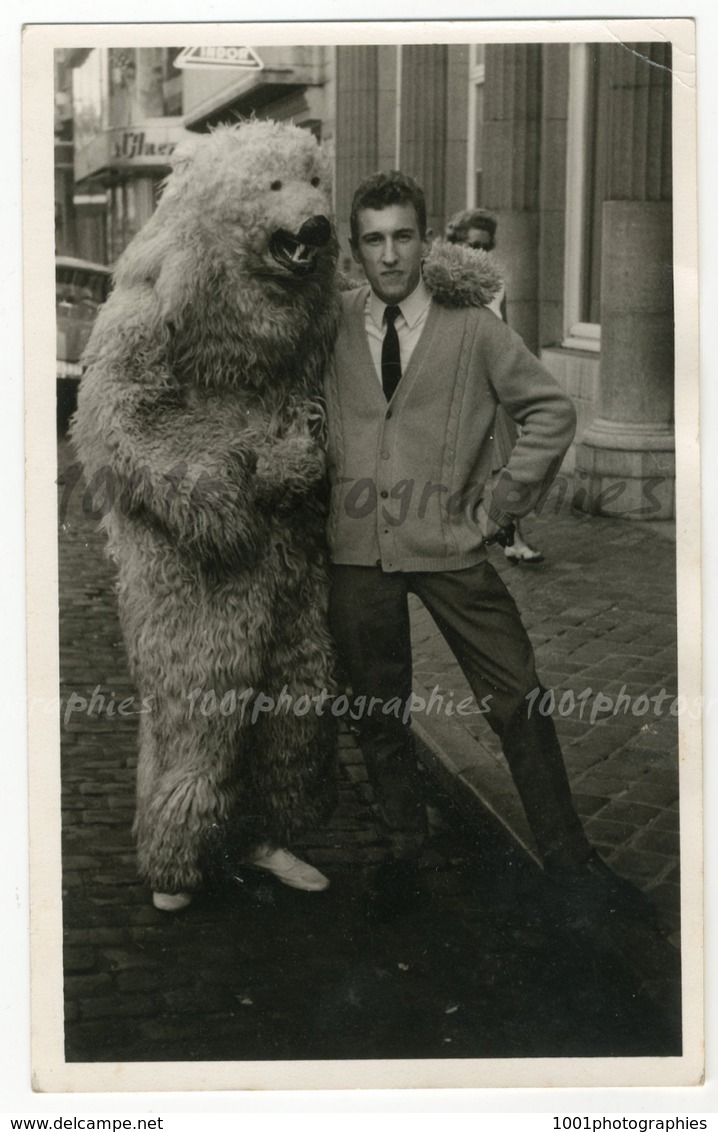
<point>495,525</point>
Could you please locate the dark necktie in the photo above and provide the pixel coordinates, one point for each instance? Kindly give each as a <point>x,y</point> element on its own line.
<point>390,354</point>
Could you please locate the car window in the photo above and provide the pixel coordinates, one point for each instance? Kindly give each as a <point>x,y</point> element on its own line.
<point>77,285</point>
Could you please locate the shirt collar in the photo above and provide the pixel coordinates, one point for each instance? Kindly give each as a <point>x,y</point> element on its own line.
<point>412,307</point>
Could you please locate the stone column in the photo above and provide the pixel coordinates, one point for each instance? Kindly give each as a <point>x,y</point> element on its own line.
<point>356,147</point>
<point>512,137</point>
<point>625,463</point>
<point>423,123</point>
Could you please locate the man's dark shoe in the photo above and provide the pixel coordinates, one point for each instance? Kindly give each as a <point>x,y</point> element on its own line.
<point>592,889</point>
<point>396,890</point>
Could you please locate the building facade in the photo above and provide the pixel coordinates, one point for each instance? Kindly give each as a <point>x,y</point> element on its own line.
<point>126,120</point>
<point>569,145</point>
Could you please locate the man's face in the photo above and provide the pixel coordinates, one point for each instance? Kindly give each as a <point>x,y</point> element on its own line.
<point>390,249</point>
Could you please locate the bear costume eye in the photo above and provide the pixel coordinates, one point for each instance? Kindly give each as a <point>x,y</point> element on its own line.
<point>275,186</point>
<point>316,182</point>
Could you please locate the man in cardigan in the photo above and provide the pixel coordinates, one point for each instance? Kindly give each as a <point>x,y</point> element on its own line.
<point>419,367</point>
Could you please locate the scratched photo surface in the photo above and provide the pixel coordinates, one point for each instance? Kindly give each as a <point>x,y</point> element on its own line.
<point>204,267</point>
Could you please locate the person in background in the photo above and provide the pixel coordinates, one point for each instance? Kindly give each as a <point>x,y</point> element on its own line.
<point>476,228</point>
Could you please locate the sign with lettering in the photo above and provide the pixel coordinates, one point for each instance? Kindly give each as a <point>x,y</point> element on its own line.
<point>244,57</point>
<point>129,145</point>
<point>142,148</point>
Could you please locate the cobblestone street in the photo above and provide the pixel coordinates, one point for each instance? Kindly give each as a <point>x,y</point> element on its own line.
<point>482,968</point>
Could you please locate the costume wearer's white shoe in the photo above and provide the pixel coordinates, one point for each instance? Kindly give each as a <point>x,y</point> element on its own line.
<point>171,901</point>
<point>522,552</point>
<point>288,869</point>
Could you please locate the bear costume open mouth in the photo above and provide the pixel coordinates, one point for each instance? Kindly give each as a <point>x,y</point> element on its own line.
<point>298,253</point>
<point>290,253</point>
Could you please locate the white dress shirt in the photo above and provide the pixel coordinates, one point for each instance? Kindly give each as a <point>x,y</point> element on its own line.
<point>409,324</point>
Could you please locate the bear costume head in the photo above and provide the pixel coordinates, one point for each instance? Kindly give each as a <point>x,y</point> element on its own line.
<point>236,262</point>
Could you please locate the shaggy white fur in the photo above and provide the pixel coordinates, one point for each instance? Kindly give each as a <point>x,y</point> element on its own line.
<point>458,276</point>
<point>202,398</point>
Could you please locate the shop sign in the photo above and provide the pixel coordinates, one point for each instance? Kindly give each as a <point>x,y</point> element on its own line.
<point>219,57</point>
<point>127,147</point>
<point>130,145</point>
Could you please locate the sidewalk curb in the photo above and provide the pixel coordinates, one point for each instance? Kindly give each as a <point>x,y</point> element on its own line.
<point>470,773</point>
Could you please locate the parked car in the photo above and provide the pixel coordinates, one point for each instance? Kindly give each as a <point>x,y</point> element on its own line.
<point>81,288</point>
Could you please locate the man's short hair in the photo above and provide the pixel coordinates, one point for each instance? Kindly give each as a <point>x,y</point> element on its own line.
<point>458,227</point>
<point>380,190</point>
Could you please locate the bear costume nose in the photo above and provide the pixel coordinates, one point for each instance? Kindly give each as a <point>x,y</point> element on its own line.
<point>316,232</point>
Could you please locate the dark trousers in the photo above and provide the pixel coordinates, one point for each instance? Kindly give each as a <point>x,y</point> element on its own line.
<point>369,618</point>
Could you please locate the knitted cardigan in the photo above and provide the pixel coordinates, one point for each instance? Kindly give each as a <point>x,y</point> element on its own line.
<point>408,476</point>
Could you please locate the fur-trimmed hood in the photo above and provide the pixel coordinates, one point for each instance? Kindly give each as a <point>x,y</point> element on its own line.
<point>456,276</point>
